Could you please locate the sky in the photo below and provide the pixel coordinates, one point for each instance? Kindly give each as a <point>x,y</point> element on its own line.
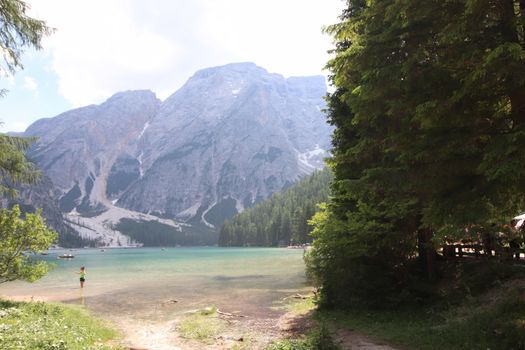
<point>101,47</point>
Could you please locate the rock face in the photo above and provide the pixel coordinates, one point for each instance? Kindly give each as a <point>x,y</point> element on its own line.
<point>40,195</point>
<point>231,136</point>
<point>78,149</point>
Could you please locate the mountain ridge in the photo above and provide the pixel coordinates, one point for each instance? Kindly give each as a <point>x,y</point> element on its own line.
<point>229,137</point>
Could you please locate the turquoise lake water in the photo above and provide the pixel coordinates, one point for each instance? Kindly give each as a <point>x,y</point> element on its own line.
<point>140,284</point>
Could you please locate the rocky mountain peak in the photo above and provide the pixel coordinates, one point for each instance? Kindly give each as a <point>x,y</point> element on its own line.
<point>132,97</point>
<point>241,68</point>
<point>231,136</point>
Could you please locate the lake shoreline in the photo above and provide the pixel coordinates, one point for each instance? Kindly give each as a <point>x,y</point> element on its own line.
<point>148,292</point>
<point>247,331</point>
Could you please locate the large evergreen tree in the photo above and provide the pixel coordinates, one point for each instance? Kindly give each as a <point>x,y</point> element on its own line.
<point>14,167</point>
<point>429,114</point>
<point>18,31</point>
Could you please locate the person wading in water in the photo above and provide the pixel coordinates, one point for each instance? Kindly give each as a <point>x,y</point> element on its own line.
<point>82,274</point>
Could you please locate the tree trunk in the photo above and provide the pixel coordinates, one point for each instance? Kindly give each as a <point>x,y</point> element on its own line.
<point>508,23</point>
<point>521,16</point>
<point>511,24</point>
<point>427,253</point>
<point>517,102</point>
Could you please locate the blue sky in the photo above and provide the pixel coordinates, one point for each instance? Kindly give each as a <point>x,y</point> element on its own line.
<point>32,94</point>
<point>101,47</point>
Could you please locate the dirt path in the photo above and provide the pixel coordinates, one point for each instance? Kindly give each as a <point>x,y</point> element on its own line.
<point>253,332</point>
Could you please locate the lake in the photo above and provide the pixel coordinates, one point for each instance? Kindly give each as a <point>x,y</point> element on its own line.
<point>144,291</point>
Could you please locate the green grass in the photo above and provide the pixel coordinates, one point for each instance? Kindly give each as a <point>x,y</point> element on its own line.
<point>202,325</point>
<point>295,305</point>
<point>301,306</point>
<point>480,306</point>
<point>247,342</point>
<point>38,325</point>
<point>318,339</point>
<point>496,322</point>
<point>476,324</point>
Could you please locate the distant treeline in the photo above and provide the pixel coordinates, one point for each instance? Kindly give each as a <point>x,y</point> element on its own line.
<point>280,220</point>
<point>156,234</point>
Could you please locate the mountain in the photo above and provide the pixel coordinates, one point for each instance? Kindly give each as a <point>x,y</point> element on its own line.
<point>230,137</point>
<point>78,149</point>
<point>30,198</point>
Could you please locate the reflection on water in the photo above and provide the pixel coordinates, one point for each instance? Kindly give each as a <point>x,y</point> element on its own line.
<point>80,299</point>
<point>137,282</point>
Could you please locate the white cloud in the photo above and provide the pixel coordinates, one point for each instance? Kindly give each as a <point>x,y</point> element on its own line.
<point>101,47</point>
<point>18,126</point>
<point>30,84</point>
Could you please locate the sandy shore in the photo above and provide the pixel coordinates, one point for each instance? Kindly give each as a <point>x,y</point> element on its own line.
<point>256,329</point>
<point>250,328</point>
<point>247,328</point>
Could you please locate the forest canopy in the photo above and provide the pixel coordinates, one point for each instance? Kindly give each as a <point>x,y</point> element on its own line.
<point>429,111</point>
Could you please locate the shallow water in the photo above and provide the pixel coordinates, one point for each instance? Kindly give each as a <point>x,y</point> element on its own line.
<point>131,286</point>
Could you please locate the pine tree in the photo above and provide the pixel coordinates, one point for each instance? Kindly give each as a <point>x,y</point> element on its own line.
<point>17,32</point>
<point>429,111</point>
<point>14,167</point>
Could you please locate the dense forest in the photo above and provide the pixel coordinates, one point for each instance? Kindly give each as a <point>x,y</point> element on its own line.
<point>156,234</point>
<point>280,220</point>
<point>429,145</point>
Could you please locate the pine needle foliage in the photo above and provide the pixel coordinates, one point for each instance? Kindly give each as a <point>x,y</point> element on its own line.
<point>429,110</point>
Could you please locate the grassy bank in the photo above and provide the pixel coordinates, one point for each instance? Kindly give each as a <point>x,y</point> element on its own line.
<point>481,307</point>
<point>317,339</point>
<point>202,325</point>
<point>497,325</point>
<point>37,325</point>
<point>485,311</point>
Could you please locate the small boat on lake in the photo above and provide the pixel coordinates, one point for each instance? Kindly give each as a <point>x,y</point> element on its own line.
<point>66,256</point>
